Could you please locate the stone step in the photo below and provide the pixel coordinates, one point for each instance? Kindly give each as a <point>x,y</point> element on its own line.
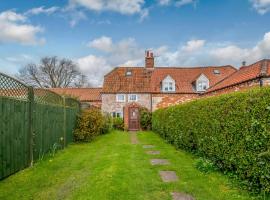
<point>181,196</point>
<point>153,152</point>
<point>168,176</point>
<point>159,162</point>
<point>148,146</point>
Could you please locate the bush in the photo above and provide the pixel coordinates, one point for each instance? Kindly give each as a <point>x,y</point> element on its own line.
<point>233,131</point>
<point>91,123</point>
<point>118,123</point>
<point>145,119</point>
<point>107,124</point>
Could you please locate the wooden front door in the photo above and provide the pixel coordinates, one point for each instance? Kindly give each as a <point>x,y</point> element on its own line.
<point>133,122</point>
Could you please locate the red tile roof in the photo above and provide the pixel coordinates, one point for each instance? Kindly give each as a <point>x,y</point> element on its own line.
<point>148,80</point>
<point>258,69</point>
<point>84,94</point>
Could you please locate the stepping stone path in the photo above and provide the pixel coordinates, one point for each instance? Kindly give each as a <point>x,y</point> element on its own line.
<point>159,162</point>
<point>168,176</point>
<point>148,146</point>
<point>181,196</point>
<point>153,152</point>
<point>134,139</point>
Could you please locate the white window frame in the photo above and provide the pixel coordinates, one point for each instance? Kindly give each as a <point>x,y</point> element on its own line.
<point>202,83</point>
<point>168,84</point>
<point>130,97</point>
<point>120,100</point>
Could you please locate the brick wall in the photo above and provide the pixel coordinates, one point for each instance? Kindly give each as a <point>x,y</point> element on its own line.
<point>166,100</point>
<point>110,105</point>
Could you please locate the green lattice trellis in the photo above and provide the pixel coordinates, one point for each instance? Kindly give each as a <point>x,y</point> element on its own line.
<point>10,87</point>
<point>47,97</point>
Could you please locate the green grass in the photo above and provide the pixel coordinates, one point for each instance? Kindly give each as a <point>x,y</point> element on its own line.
<point>111,168</point>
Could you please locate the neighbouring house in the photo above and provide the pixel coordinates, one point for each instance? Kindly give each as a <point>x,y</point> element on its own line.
<point>88,97</point>
<point>126,89</point>
<point>257,74</point>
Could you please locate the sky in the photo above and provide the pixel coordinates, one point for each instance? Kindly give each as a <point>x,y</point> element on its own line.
<point>102,34</point>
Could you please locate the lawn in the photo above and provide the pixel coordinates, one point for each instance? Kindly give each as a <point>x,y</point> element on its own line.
<point>111,168</point>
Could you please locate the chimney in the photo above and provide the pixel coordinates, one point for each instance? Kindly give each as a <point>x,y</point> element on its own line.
<point>244,63</point>
<point>149,60</point>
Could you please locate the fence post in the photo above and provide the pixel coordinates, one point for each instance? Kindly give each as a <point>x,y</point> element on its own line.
<point>31,129</point>
<point>65,122</point>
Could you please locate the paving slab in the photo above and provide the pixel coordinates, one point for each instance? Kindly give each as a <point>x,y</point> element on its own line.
<point>153,152</point>
<point>148,146</point>
<point>181,196</point>
<point>168,176</point>
<point>133,137</point>
<point>159,162</point>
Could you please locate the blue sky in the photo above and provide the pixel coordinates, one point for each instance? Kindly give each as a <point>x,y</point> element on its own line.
<point>102,34</point>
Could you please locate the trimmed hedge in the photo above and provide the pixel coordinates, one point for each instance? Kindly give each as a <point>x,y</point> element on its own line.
<point>233,131</point>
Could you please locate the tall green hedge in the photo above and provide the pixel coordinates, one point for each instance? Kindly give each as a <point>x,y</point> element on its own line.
<point>231,130</point>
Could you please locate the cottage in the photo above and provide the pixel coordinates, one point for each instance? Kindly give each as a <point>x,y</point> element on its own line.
<point>126,89</point>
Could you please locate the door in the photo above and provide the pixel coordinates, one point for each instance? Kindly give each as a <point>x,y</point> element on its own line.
<point>133,119</point>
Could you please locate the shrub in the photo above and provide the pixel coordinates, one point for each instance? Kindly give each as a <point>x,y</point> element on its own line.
<point>232,130</point>
<point>91,123</point>
<point>118,123</point>
<point>145,119</point>
<point>107,124</point>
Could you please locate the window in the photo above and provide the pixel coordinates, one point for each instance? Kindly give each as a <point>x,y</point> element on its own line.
<point>202,86</point>
<point>216,71</point>
<point>132,97</point>
<point>128,73</point>
<point>120,98</point>
<point>168,84</point>
<point>117,114</point>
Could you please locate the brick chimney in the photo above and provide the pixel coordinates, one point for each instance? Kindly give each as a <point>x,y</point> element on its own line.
<point>149,59</point>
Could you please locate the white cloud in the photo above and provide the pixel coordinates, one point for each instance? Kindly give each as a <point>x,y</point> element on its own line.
<point>124,7</point>
<point>178,3</point>
<point>42,10</point>
<point>75,17</point>
<point>193,45</point>
<point>261,6</point>
<point>94,67</point>
<point>234,54</point>
<point>14,28</point>
<point>103,43</point>
<point>129,7</point>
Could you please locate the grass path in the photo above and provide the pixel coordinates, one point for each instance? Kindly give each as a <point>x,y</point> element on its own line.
<point>111,168</point>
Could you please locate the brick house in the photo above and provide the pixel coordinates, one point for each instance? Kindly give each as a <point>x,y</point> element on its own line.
<point>126,89</point>
<point>257,74</point>
<point>88,97</point>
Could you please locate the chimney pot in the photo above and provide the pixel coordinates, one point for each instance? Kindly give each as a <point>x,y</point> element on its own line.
<point>244,63</point>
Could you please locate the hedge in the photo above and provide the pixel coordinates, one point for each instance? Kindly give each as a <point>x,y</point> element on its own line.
<point>232,130</point>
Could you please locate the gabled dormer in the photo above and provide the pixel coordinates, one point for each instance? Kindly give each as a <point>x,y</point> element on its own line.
<point>168,84</point>
<point>202,83</point>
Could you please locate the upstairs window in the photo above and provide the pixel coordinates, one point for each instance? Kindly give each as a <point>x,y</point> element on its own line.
<point>202,83</point>
<point>120,98</point>
<point>168,84</point>
<point>202,86</point>
<point>132,97</point>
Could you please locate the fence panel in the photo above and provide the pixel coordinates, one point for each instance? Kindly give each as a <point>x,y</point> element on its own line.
<point>33,122</point>
<point>14,126</point>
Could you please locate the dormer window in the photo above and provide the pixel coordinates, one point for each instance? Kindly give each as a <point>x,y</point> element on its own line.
<point>202,83</point>
<point>168,84</point>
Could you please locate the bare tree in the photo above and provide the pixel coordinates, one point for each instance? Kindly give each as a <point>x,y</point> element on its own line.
<point>53,72</point>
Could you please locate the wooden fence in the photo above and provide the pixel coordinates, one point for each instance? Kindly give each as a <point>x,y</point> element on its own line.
<point>33,122</point>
